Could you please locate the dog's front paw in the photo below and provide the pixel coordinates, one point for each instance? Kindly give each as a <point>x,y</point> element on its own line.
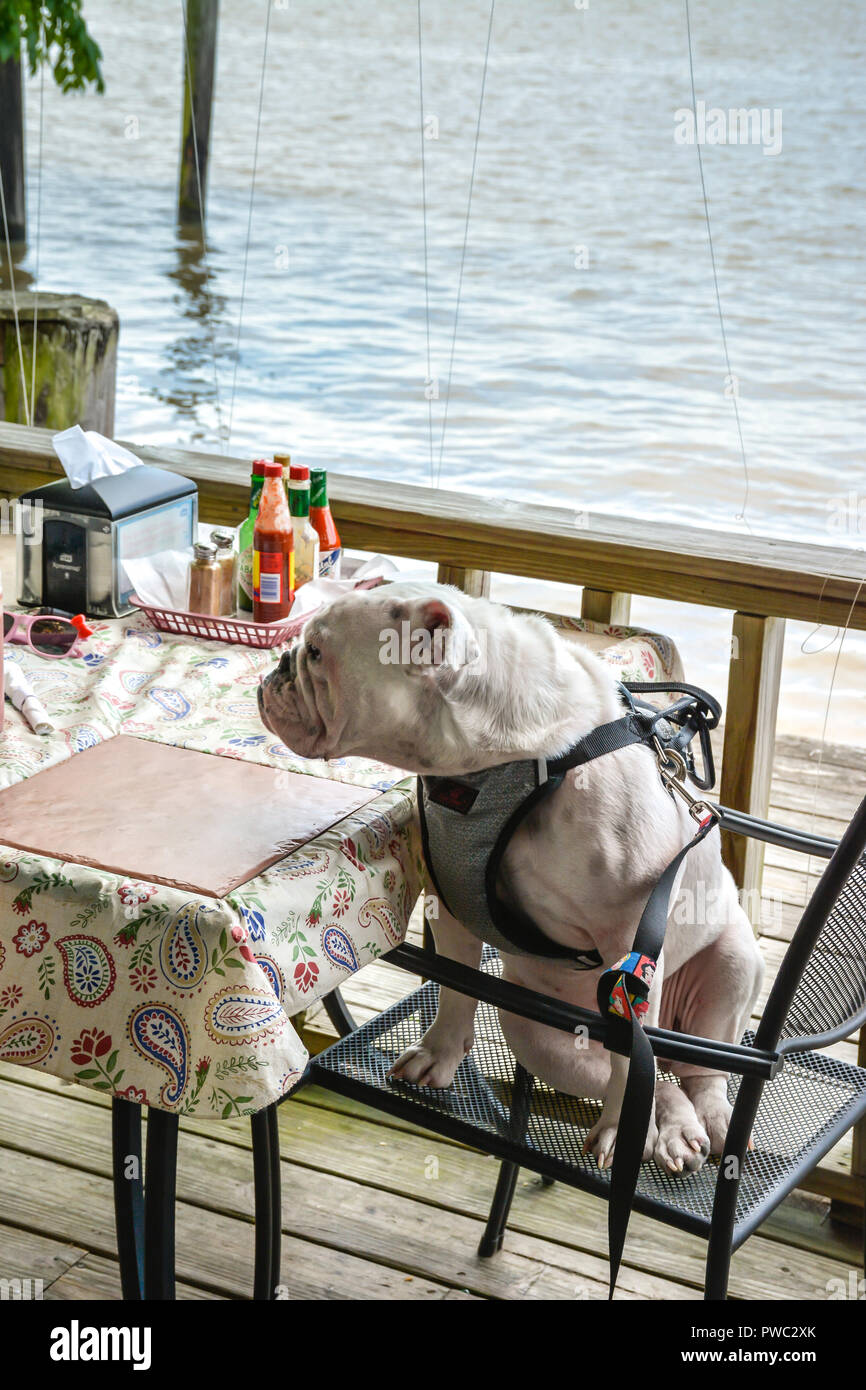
<point>431,1062</point>
<point>682,1146</point>
<point>715,1117</point>
<point>601,1141</point>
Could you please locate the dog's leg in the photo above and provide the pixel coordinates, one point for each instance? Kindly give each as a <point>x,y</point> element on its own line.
<point>434,1060</point>
<point>712,995</point>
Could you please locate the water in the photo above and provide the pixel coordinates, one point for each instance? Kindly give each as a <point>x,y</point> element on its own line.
<point>601,386</point>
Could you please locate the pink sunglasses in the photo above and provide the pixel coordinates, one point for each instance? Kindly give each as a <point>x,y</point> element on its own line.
<point>46,636</point>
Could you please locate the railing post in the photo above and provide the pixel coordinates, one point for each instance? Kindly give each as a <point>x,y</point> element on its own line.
<point>12,150</point>
<point>754,675</point>
<point>199,61</point>
<point>476,583</point>
<point>601,606</point>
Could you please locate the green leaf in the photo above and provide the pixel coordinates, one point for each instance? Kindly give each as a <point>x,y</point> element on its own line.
<point>226,1111</point>
<point>87,1075</point>
<point>112,1061</point>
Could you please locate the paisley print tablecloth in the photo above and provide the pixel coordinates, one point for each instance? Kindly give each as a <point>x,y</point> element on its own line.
<point>147,992</point>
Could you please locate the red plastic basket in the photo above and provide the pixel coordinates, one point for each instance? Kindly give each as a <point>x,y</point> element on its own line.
<point>249,634</point>
<point>185,624</point>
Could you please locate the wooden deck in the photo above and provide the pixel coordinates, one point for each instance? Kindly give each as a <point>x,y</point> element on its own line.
<point>376,1209</point>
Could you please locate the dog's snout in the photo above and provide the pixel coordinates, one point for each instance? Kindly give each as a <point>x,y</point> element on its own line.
<point>287,665</point>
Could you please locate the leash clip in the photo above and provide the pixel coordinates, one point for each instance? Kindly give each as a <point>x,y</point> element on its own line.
<point>673,771</point>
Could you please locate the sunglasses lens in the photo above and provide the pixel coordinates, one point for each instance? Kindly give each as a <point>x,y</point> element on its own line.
<point>8,623</point>
<point>52,636</point>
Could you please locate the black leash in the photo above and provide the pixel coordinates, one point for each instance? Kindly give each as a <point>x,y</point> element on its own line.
<point>623,991</point>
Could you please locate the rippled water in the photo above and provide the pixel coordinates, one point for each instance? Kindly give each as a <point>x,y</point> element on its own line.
<point>600,386</point>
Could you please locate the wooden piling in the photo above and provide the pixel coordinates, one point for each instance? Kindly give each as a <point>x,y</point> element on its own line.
<point>12,151</point>
<point>199,62</point>
<point>76,361</point>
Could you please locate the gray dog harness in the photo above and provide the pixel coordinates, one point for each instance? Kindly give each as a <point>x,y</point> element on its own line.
<point>467,822</point>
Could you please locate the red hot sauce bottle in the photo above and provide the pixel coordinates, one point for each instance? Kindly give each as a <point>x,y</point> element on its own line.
<point>273,551</point>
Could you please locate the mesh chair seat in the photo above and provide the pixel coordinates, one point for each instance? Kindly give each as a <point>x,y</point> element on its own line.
<point>803,1112</point>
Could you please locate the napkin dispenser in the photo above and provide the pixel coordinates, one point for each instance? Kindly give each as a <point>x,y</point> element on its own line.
<point>75,540</point>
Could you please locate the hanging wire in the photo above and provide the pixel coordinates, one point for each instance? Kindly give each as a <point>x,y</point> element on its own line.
<point>204,249</point>
<point>436,477</point>
<point>426,269</point>
<point>249,218</point>
<point>38,220</point>
<point>741,516</point>
<point>27,415</point>
<point>465,239</point>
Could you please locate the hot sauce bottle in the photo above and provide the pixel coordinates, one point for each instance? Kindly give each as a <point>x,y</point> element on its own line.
<point>273,551</point>
<point>330,547</point>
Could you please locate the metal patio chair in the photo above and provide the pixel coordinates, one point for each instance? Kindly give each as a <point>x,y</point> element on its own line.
<point>794,1100</point>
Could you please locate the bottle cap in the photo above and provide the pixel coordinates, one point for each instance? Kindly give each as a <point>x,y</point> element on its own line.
<point>204,550</point>
<point>271,470</point>
<point>283,459</point>
<point>258,467</point>
<point>299,473</point>
<point>223,539</point>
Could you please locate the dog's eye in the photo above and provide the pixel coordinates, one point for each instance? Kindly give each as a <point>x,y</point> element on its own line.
<point>313,653</point>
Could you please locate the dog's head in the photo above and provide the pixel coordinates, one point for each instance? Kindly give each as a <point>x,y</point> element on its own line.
<point>422,677</point>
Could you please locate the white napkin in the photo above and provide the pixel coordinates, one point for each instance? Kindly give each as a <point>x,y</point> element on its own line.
<point>318,591</point>
<point>161,580</point>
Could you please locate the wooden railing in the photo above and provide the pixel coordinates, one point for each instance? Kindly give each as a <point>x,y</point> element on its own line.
<point>760,579</point>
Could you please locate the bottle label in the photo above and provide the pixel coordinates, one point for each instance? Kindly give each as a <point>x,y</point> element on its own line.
<point>245,578</point>
<point>330,562</point>
<point>269,569</point>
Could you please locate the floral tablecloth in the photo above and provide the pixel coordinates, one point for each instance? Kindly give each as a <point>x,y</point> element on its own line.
<point>149,992</point>
<point>185,1002</point>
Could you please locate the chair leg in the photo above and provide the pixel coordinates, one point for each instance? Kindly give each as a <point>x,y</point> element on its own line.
<point>159,1197</point>
<point>338,1013</point>
<point>128,1196</point>
<point>717,1271</point>
<point>494,1231</point>
<point>266,1170</point>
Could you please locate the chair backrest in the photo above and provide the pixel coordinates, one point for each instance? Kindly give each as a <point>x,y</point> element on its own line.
<point>821,985</point>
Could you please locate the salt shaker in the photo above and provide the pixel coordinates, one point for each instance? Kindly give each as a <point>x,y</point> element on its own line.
<point>205,580</point>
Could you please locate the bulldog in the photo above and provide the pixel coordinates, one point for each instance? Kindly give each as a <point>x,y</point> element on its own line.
<point>425,678</point>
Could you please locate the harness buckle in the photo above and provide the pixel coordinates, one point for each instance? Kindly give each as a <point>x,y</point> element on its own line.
<point>673,771</point>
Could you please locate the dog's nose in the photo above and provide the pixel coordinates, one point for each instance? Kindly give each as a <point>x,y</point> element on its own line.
<point>287,664</point>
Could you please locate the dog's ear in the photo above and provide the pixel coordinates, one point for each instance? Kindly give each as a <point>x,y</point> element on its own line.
<point>441,637</point>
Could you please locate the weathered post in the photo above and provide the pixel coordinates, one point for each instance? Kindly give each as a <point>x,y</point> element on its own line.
<point>76,361</point>
<point>199,61</point>
<point>12,150</point>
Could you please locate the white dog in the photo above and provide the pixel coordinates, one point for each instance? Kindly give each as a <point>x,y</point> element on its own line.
<point>428,679</point>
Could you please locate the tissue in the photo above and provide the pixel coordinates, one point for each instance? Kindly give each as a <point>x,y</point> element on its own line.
<point>86,456</point>
<point>160,580</point>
